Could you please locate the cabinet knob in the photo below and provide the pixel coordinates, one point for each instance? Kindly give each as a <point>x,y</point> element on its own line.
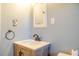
<point>21,53</point>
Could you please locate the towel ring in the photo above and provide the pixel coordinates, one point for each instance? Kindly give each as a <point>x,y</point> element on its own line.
<point>10,35</point>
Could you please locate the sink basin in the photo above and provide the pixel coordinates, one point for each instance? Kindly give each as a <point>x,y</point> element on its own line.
<point>32,43</point>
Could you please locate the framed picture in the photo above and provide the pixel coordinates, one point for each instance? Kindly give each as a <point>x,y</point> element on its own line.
<point>40,15</point>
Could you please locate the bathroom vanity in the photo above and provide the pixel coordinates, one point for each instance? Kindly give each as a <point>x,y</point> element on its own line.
<point>31,48</point>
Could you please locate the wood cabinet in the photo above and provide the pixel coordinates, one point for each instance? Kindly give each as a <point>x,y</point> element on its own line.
<point>21,50</point>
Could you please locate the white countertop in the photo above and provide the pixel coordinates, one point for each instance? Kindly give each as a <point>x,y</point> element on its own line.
<point>32,44</point>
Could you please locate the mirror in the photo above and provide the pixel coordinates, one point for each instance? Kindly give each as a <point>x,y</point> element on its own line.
<point>40,15</point>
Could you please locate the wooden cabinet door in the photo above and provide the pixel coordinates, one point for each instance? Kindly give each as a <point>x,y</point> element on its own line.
<point>22,51</point>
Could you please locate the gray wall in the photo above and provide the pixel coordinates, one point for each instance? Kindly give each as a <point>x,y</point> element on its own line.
<point>64,34</point>
<point>22,30</point>
<point>0,21</point>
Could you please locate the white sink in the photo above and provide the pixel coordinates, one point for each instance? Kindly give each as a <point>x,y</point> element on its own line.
<point>32,43</point>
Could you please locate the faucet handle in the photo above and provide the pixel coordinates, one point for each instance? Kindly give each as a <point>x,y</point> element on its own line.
<point>35,35</point>
<point>37,38</point>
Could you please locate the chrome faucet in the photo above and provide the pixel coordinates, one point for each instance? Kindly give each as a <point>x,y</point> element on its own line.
<point>36,37</point>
